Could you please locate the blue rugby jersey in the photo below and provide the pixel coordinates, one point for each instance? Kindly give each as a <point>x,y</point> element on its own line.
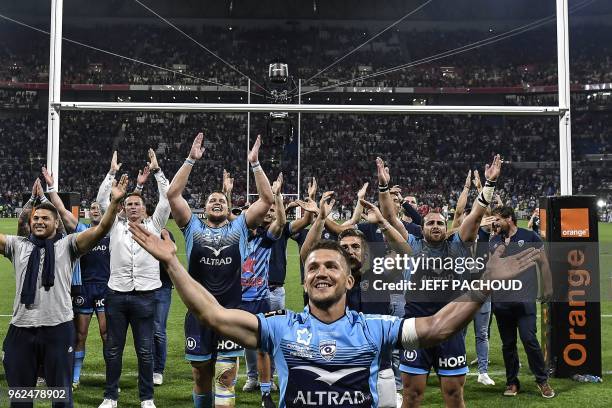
<point>215,255</point>
<point>95,264</point>
<point>422,303</point>
<point>256,266</point>
<point>332,364</point>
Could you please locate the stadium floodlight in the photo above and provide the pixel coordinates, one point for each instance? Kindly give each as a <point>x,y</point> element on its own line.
<point>601,203</point>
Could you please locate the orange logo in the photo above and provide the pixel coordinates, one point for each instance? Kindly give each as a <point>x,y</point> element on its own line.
<point>574,223</point>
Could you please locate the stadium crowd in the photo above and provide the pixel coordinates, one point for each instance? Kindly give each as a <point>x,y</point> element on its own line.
<point>527,60</point>
<point>442,146</point>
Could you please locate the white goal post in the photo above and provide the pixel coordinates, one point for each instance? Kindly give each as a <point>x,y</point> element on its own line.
<point>56,105</point>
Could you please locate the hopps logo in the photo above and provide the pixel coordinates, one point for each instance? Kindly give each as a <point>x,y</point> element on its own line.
<point>191,343</point>
<point>79,301</point>
<point>327,349</point>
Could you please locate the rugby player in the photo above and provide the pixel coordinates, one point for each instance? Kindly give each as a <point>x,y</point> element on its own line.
<point>448,358</point>
<point>327,355</point>
<point>216,249</point>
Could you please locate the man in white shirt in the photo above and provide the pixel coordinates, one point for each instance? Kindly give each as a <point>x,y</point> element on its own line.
<point>133,280</point>
<point>41,330</point>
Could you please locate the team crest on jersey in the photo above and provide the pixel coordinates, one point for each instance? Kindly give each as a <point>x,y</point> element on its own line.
<point>326,235</point>
<point>365,285</point>
<point>521,242</point>
<point>191,343</point>
<point>327,349</point>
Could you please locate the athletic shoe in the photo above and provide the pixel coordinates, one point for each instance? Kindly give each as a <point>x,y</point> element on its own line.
<point>511,390</point>
<point>266,401</point>
<point>147,404</point>
<point>75,385</point>
<point>546,390</point>
<point>108,403</point>
<point>40,382</point>
<point>250,385</point>
<point>273,387</point>
<point>158,379</point>
<point>399,398</point>
<point>485,379</point>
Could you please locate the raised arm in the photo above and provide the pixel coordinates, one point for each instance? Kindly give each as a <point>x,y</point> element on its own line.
<point>469,228</point>
<point>314,233</point>
<point>226,188</point>
<point>461,202</point>
<point>162,209</point>
<point>90,237</point>
<point>141,180</point>
<point>432,330</point>
<point>237,325</point>
<point>373,215</point>
<point>385,200</point>
<point>358,207</point>
<point>69,220</point>
<point>178,205</point>
<point>277,226</point>
<point>23,222</point>
<point>104,191</point>
<point>306,219</point>
<point>258,210</point>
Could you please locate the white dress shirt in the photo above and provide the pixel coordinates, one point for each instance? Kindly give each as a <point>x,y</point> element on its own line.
<point>132,267</point>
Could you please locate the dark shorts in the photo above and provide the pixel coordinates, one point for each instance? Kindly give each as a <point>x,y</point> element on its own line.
<point>91,298</point>
<point>204,344</point>
<point>447,358</point>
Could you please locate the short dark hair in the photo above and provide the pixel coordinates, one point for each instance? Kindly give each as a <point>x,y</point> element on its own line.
<point>135,194</point>
<point>505,212</point>
<point>333,246</point>
<point>352,232</point>
<point>48,207</point>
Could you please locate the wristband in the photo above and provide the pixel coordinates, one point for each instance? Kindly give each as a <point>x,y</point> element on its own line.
<point>256,167</point>
<point>383,189</point>
<point>33,198</point>
<point>256,164</point>
<point>139,187</point>
<point>156,170</point>
<point>189,162</point>
<point>50,189</point>
<point>44,199</point>
<point>486,195</point>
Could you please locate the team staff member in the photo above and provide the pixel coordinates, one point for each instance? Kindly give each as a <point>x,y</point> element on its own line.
<point>41,330</point>
<point>134,278</point>
<point>517,311</point>
<point>327,355</point>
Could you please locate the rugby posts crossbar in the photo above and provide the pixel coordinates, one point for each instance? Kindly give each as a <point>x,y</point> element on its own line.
<point>314,108</point>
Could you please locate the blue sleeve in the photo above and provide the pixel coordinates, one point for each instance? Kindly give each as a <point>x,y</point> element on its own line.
<point>239,225</point>
<point>385,330</point>
<point>412,241</point>
<point>76,274</point>
<point>270,331</point>
<point>192,226</point>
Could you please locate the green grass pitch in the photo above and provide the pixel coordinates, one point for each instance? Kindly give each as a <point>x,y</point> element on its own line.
<point>176,391</point>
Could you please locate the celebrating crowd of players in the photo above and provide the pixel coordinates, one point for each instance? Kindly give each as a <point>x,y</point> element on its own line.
<point>346,348</point>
